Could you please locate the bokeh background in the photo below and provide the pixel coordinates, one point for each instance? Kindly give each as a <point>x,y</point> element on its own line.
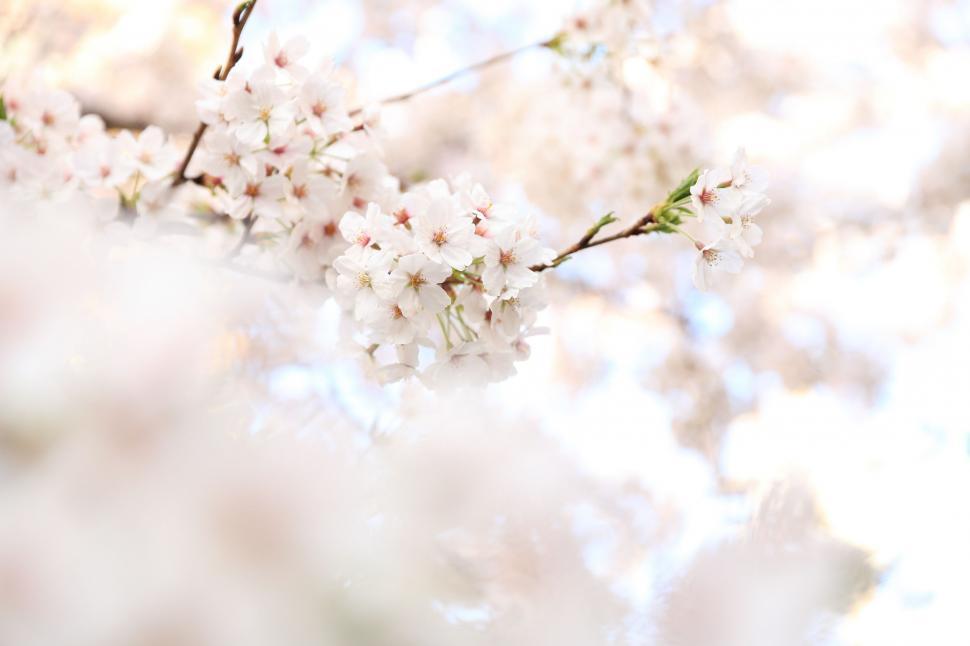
<point>783,460</point>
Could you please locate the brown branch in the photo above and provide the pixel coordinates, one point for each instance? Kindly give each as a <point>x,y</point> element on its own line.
<point>646,224</point>
<point>552,42</point>
<point>239,19</point>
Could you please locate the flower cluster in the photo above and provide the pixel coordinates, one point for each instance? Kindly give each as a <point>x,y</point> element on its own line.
<point>448,271</point>
<point>726,201</point>
<point>277,149</point>
<point>436,281</point>
<point>51,155</point>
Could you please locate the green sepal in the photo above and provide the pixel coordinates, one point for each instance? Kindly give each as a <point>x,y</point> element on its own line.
<point>683,190</point>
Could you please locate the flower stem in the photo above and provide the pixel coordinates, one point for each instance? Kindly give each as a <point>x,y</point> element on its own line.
<point>239,19</point>
<point>646,224</point>
<point>549,43</point>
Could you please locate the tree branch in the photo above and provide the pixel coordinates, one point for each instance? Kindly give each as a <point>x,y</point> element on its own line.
<point>550,43</point>
<point>646,224</point>
<point>239,19</point>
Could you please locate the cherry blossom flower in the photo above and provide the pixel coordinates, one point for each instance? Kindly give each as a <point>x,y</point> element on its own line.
<point>415,284</point>
<point>747,178</point>
<point>259,112</point>
<point>285,58</point>
<point>365,180</point>
<point>100,162</point>
<point>444,235</point>
<point>745,233</point>
<point>713,259</point>
<point>508,258</point>
<point>321,102</point>
<point>229,159</point>
<point>360,275</point>
<point>51,111</point>
<point>152,155</point>
<point>261,196</point>
<point>311,247</point>
<point>712,198</point>
<point>364,230</point>
<point>285,148</point>
<point>311,193</point>
<point>463,365</point>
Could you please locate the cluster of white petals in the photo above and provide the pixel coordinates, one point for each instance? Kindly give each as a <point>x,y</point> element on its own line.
<point>50,155</point>
<point>446,271</point>
<point>436,281</point>
<point>726,201</point>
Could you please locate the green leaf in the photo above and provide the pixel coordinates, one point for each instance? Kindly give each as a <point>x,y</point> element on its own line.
<point>683,190</point>
<point>602,222</point>
<point>3,109</point>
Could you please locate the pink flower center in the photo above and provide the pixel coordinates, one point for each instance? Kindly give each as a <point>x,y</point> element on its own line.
<point>439,237</point>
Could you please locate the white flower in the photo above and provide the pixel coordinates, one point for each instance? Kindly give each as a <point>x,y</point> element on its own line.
<point>747,178</point>
<point>462,365</point>
<point>360,273</point>
<point>151,154</point>
<point>713,259</point>
<point>259,112</point>
<point>364,230</point>
<point>230,159</point>
<point>508,258</point>
<point>510,314</point>
<point>310,192</point>
<point>321,102</point>
<point>211,107</point>
<point>100,162</point>
<point>415,283</point>
<point>89,128</point>
<point>712,197</point>
<point>392,323</point>
<point>312,245</point>
<point>260,195</point>
<point>284,148</point>
<point>286,58</point>
<point>745,234</point>
<point>443,235</point>
<point>364,180</point>
<point>51,111</point>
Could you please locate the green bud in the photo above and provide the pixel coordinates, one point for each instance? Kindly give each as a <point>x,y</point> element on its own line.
<point>683,190</point>
<point>556,43</point>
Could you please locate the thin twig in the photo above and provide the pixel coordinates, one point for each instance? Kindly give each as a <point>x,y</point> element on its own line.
<point>644,225</point>
<point>239,19</point>
<point>462,72</point>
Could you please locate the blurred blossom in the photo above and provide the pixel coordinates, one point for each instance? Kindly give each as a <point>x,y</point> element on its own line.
<point>192,455</point>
